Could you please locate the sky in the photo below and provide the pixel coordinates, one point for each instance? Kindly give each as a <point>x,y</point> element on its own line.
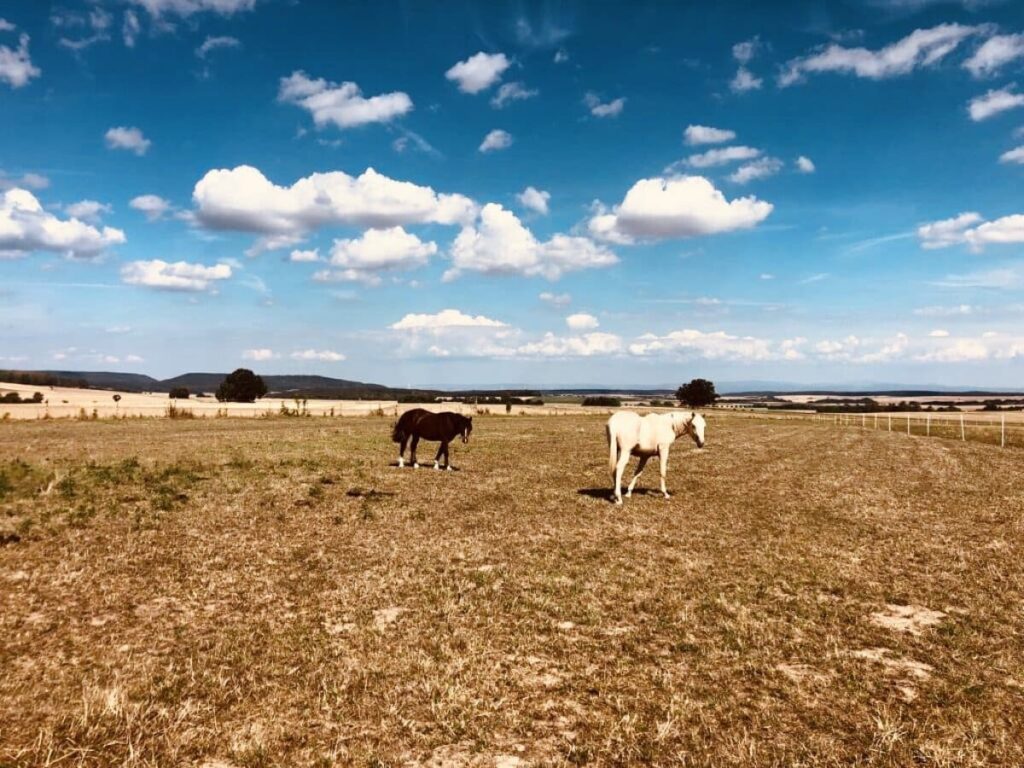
<point>542,194</point>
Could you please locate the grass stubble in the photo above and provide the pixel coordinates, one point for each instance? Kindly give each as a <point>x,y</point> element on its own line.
<point>275,593</point>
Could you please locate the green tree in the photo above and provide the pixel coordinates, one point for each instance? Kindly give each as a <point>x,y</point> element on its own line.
<point>180,393</point>
<point>697,394</point>
<point>241,386</point>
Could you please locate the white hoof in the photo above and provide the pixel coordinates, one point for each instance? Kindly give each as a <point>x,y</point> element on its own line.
<point>415,466</point>
<point>401,462</point>
<point>667,495</point>
<point>618,500</point>
<point>449,468</point>
<point>436,465</point>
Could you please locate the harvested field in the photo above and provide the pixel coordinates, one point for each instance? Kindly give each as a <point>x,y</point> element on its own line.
<point>233,592</point>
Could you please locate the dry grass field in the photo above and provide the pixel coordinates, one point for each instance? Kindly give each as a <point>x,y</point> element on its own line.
<point>238,592</point>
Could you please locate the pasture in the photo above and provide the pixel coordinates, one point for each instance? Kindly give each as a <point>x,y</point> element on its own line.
<point>274,592</point>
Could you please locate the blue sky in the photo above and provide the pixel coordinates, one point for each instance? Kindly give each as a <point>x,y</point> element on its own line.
<point>537,193</point>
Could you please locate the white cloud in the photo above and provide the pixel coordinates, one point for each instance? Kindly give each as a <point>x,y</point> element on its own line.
<point>130,139</point>
<point>921,48</point>
<point>341,105</point>
<point>705,134</point>
<point>479,72</point>
<point>805,164</point>
<point>959,310</point>
<point>717,345</point>
<point>1008,278</point>
<point>745,51</point>
<point>586,345</point>
<point>722,156</point>
<point>500,244</point>
<point>243,199</point>
<point>321,355</point>
<point>16,67</point>
<point>535,199</point>
<point>939,333</point>
<point>600,108</point>
<point>446,318</point>
<point>153,206</point>
<point>6,26</point>
<point>26,227</point>
<point>972,230</point>
<point>87,210</point>
<point>216,43</point>
<point>561,56</point>
<point>176,276</point>
<point>34,181</point>
<point>259,355</point>
<point>679,207</point>
<point>376,251</point>
<point>496,140</point>
<point>759,169</point>
<point>304,256</point>
<point>1013,156</point>
<point>555,299</point>
<point>995,53</point>
<point>744,81</point>
<point>130,28</point>
<point>993,102</point>
<point>186,8</point>
<point>509,92</point>
<point>581,321</point>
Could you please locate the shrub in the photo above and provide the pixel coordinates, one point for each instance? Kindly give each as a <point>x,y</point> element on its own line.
<point>180,393</point>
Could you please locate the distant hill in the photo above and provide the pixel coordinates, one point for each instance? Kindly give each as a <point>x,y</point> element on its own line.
<point>208,382</point>
<point>125,382</point>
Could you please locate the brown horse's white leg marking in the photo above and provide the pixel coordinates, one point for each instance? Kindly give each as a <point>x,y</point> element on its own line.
<point>639,468</point>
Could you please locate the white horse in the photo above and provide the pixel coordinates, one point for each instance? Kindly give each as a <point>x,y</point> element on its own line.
<point>629,434</point>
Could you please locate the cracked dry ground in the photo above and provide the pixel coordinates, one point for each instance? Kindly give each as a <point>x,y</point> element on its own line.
<point>274,592</point>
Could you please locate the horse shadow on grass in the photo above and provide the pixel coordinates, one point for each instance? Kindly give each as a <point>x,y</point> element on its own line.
<point>425,466</point>
<point>606,494</point>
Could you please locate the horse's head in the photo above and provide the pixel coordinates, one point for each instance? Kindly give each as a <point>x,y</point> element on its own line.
<point>695,425</point>
<point>467,428</point>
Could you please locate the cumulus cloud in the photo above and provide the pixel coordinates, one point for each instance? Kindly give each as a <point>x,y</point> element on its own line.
<point>744,80</point>
<point>26,227</point>
<point>33,181</point>
<point>994,54</point>
<point>320,355</point>
<point>1013,156</point>
<point>972,230</point>
<point>129,139</point>
<point>378,250</point>
<point>87,210</point>
<point>341,105</point>
<point>805,164</point>
<point>759,169</point>
<point>216,43</point>
<point>243,199</point>
<point>722,156</point>
<point>599,108</point>
<point>705,134</point>
<point>500,244</point>
<point>174,276</point>
<point>496,140</point>
<point>716,345</point>
<point>479,72</point>
<point>509,92</point>
<point>585,345</point>
<point>305,256</point>
<point>152,206</point>
<point>446,318</point>
<point>16,67</point>
<point>993,102</point>
<point>581,321</point>
<point>535,200</point>
<point>678,207</point>
<point>259,355</point>
<point>921,48</point>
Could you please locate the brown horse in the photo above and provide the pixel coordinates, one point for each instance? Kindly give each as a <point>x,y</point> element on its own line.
<point>420,423</point>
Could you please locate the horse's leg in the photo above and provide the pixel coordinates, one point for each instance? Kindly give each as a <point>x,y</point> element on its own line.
<point>401,451</point>
<point>620,467</point>
<point>440,450</point>
<point>663,456</point>
<point>412,452</point>
<point>639,468</point>
<point>447,458</point>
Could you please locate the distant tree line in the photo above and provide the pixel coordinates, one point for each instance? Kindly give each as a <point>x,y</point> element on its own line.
<point>34,379</point>
<point>14,398</point>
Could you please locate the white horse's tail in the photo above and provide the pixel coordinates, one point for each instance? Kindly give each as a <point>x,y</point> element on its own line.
<point>612,448</point>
